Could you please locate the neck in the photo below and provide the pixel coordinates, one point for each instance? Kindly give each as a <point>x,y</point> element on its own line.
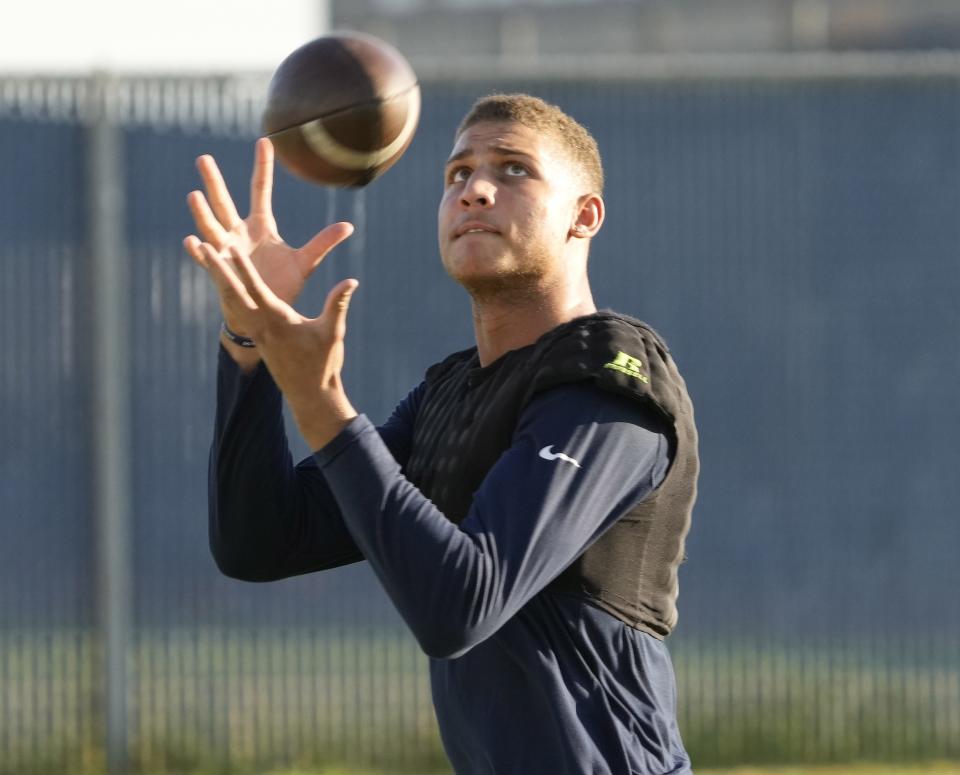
<point>510,319</point>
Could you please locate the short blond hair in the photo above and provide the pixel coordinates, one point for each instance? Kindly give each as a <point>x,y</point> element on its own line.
<point>534,113</point>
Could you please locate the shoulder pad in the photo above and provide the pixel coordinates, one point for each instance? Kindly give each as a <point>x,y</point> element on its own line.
<point>617,353</point>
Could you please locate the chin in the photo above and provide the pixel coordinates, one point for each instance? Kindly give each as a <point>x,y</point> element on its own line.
<point>477,268</point>
<point>466,268</point>
<point>504,286</point>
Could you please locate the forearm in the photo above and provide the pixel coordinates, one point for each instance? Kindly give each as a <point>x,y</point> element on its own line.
<point>321,416</point>
<point>268,519</point>
<point>456,585</point>
<point>420,557</point>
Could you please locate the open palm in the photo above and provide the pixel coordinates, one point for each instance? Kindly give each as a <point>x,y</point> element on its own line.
<point>284,269</point>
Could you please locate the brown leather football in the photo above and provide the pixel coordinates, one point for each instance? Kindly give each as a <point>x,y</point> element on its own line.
<point>342,109</point>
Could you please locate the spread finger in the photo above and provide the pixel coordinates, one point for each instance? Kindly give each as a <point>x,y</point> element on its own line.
<point>207,224</point>
<point>217,192</point>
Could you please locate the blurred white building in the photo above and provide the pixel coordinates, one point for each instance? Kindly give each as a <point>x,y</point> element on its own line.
<point>222,36</point>
<point>171,36</point>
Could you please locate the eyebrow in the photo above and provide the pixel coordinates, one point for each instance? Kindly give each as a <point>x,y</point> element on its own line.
<point>499,150</point>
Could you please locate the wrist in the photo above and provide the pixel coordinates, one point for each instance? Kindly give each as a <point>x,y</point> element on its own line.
<point>322,422</point>
<point>247,358</point>
<point>241,340</point>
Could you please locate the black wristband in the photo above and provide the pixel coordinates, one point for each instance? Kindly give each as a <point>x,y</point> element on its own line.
<point>243,341</point>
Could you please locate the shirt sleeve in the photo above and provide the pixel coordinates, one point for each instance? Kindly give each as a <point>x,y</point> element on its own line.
<point>268,518</point>
<point>579,459</point>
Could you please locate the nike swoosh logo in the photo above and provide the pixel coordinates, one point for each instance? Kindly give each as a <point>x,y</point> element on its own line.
<point>547,453</point>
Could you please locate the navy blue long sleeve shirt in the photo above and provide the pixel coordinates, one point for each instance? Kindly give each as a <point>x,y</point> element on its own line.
<point>524,680</point>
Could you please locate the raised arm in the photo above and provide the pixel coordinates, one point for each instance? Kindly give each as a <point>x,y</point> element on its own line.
<point>268,518</point>
<point>535,512</point>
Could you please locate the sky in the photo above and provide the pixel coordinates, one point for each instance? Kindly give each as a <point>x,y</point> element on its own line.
<point>195,36</point>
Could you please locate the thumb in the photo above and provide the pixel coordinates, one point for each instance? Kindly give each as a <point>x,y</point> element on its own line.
<point>336,306</point>
<point>311,254</point>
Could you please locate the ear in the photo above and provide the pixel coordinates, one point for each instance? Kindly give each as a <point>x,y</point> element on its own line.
<point>589,216</point>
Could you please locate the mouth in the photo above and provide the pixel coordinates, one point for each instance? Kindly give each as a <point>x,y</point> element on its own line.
<point>473,227</point>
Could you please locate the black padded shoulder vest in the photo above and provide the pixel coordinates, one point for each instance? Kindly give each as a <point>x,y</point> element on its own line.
<point>467,418</point>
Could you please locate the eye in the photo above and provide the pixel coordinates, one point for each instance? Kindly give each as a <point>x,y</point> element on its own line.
<point>458,174</point>
<point>515,169</point>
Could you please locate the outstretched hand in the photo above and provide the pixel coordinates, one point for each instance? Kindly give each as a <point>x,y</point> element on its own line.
<point>284,269</point>
<point>304,355</point>
<point>258,277</point>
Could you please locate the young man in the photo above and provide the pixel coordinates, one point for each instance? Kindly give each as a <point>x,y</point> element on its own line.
<point>525,506</point>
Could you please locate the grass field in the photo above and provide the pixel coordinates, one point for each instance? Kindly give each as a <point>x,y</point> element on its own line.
<point>228,702</point>
<point>930,768</point>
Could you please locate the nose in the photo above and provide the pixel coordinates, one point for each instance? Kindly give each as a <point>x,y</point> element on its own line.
<point>478,191</point>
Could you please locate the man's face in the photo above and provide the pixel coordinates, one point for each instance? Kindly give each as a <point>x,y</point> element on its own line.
<point>509,201</point>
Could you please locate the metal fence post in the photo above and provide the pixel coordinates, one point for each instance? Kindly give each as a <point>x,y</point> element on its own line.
<point>111,412</point>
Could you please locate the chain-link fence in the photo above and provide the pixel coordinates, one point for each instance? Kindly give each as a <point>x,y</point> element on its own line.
<point>792,231</point>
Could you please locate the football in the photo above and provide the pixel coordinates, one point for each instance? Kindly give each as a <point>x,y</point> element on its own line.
<point>342,109</point>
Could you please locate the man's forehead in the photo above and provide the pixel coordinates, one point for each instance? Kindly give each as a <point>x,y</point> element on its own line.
<point>498,136</point>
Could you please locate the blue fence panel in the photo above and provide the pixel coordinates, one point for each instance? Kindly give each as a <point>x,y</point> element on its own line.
<point>795,242</point>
